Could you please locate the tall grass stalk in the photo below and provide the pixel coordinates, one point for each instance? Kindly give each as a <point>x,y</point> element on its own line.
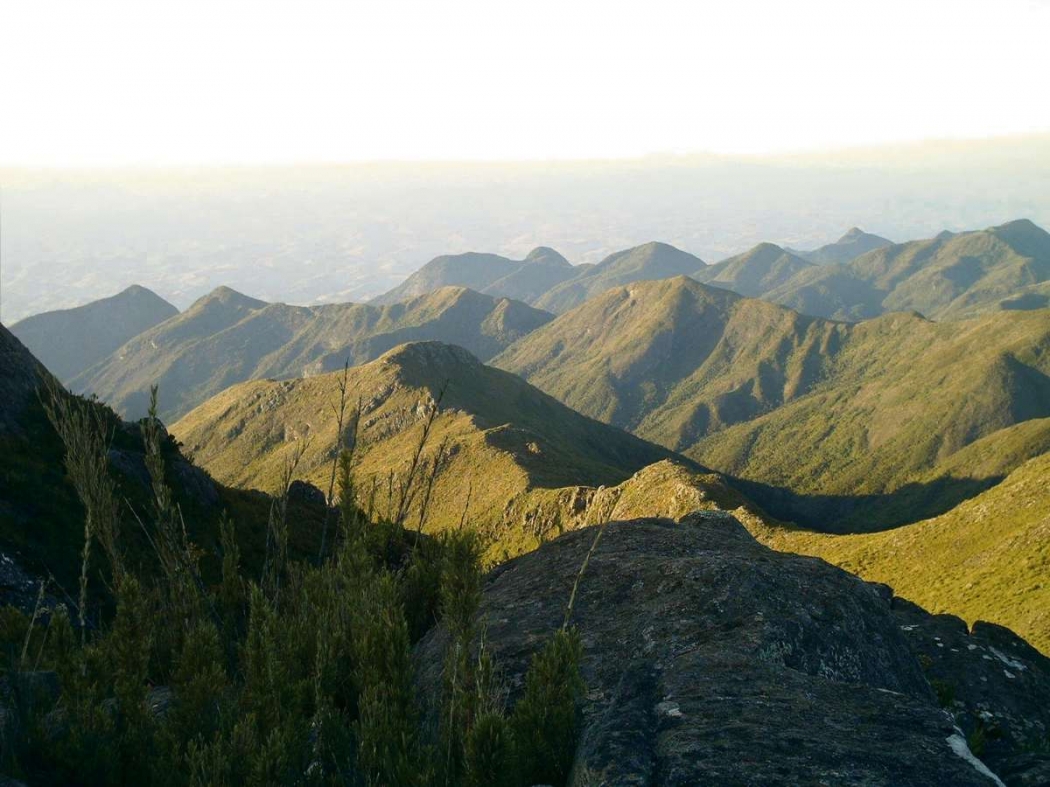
<point>82,427</point>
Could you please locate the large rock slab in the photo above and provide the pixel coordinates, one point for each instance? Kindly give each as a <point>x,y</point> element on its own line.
<point>710,659</point>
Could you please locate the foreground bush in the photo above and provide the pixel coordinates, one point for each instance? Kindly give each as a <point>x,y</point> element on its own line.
<point>298,674</point>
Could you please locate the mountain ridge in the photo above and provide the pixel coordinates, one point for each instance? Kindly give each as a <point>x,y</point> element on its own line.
<point>226,338</point>
<point>492,274</point>
<point>841,414</point>
<point>525,464</point>
<point>850,246</point>
<point>648,261</point>
<point>950,276</point>
<point>68,341</point>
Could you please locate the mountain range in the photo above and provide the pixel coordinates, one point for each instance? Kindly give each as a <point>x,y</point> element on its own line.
<point>840,415</point>
<point>950,276</point>
<point>68,341</point>
<point>196,354</point>
<point>697,601</point>
<point>860,276</point>
<point>522,280</point>
<point>226,338</point>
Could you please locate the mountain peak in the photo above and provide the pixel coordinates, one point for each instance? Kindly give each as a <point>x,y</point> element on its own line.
<point>852,234</point>
<point>431,355</point>
<point>69,341</point>
<point>1021,225</point>
<point>1028,236</point>
<point>137,291</point>
<point>227,296</point>
<point>546,254</point>
<point>765,247</point>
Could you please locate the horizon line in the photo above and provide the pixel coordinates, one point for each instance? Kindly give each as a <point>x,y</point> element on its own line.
<point>902,145</point>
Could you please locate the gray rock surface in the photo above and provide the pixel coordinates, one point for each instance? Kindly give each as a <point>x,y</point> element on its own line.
<point>996,685</point>
<point>710,659</point>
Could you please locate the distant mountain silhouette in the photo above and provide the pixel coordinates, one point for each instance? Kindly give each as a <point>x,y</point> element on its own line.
<point>649,261</point>
<point>68,341</point>
<point>850,246</point>
<point>523,280</point>
<point>754,272</point>
<point>950,276</point>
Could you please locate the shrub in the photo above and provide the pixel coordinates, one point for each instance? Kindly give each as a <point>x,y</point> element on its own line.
<point>545,721</point>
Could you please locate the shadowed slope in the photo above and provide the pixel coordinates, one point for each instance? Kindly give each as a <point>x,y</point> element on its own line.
<point>986,559</point>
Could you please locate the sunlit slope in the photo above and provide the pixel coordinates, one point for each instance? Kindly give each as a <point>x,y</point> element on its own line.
<point>825,420</point>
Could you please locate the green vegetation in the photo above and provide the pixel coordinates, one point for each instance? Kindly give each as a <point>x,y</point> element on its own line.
<point>951,276</point>
<point>503,450</point>
<point>649,261</point>
<point>864,426</point>
<point>226,338</point>
<point>298,673</point>
<point>850,246</point>
<point>754,272</point>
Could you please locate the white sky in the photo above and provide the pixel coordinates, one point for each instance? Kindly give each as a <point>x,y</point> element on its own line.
<point>101,82</point>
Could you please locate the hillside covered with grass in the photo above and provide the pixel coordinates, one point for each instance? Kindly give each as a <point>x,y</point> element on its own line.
<point>837,425</point>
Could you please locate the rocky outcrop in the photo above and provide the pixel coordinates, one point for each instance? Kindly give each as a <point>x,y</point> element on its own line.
<point>995,684</point>
<point>710,659</point>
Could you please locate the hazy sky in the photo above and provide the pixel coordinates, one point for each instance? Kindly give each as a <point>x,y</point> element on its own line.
<point>113,82</point>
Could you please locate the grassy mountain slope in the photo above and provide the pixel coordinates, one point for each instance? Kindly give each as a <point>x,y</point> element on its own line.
<point>673,359</point>
<point>900,401</point>
<point>505,439</point>
<point>68,341</point>
<point>986,559</point>
<point>951,276</point>
<point>850,246</point>
<point>650,261</point>
<point>839,415</point>
<point>754,272</point>
<point>226,338</point>
<point>523,280</point>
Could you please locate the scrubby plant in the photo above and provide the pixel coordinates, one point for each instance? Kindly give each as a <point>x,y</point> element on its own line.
<point>295,670</point>
<point>545,721</point>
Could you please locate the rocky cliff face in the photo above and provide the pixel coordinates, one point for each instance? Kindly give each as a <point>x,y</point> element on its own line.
<point>710,659</point>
